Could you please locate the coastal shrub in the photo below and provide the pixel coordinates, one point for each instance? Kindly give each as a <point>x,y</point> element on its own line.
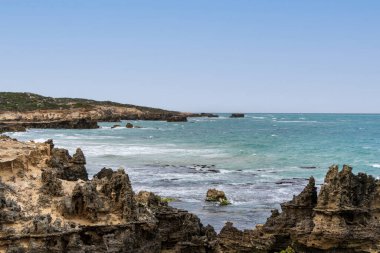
<point>25,101</point>
<point>167,200</point>
<point>224,202</point>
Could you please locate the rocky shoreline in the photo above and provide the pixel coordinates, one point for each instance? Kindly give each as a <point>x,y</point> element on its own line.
<point>48,204</point>
<point>19,111</point>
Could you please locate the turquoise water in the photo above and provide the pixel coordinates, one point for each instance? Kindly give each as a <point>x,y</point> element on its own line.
<point>259,161</point>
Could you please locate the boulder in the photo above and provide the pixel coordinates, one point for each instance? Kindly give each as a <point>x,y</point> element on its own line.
<point>215,195</point>
<point>129,125</point>
<point>114,126</point>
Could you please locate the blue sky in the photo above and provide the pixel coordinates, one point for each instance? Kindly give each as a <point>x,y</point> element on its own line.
<point>214,55</point>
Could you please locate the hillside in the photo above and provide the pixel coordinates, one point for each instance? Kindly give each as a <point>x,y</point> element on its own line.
<point>24,101</point>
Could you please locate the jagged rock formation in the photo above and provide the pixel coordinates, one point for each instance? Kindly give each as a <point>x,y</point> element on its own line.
<point>342,218</point>
<point>67,167</point>
<point>47,206</point>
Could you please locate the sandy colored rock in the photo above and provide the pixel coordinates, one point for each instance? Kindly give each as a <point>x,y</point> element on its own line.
<point>343,217</point>
<point>44,210</point>
<point>215,195</point>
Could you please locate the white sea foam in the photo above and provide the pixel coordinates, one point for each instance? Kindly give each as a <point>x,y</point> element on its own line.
<point>376,165</point>
<point>297,121</point>
<point>17,134</point>
<point>39,140</point>
<point>134,150</point>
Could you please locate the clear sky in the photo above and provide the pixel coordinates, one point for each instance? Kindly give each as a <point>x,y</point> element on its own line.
<point>197,55</point>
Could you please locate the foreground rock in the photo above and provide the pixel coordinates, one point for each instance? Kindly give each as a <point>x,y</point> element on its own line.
<point>344,217</point>
<point>48,205</point>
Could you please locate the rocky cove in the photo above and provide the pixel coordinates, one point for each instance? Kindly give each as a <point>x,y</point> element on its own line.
<point>48,204</point>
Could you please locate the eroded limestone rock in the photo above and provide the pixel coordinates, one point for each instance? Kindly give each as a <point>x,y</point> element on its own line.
<point>68,168</point>
<point>342,218</point>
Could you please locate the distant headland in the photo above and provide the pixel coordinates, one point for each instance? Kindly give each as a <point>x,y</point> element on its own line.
<point>20,110</point>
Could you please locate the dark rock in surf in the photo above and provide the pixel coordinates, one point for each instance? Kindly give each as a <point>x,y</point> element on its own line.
<point>237,115</point>
<point>308,167</point>
<point>208,115</point>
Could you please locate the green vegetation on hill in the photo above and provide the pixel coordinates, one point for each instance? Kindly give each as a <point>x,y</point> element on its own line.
<point>24,101</point>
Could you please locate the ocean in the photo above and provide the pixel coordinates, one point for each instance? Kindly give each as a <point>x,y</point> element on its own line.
<point>259,161</point>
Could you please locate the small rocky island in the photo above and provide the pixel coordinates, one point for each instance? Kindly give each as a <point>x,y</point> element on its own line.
<point>48,204</point>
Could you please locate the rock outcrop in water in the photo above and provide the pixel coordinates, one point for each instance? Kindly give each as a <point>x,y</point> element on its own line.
<point>47,204</point>
<point>237,115</point>
<point>215,195</point>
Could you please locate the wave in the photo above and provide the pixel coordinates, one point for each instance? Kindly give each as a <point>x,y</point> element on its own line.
<point>376,165</point>
<point>132,150</point>
<point>39,140</point>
